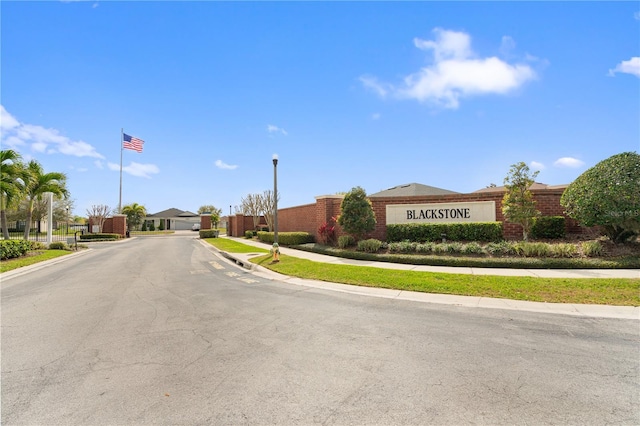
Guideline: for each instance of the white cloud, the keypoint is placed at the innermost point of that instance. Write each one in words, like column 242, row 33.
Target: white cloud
column 136, row 169
column 456, row 72
column 632, row 66
column 99, row 164
column 221, row 165
column 373, row 84
column 39, row 139
column 568, row 162
column 275, row 129
column 537, row 166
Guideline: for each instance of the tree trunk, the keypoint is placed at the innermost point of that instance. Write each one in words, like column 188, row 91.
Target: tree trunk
column 27, row 225
column 3, row 223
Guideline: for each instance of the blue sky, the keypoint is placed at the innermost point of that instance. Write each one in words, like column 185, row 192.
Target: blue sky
column 370, row 94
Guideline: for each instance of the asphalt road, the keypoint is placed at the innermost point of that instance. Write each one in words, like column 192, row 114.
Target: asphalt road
column 160, row 330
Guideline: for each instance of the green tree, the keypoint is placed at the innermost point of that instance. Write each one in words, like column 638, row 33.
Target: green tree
column 608, row 195
column 215, row 213
column 12, row 175
column 518, row 205
column 37, row 183
column 356, row 213
column 135, row 215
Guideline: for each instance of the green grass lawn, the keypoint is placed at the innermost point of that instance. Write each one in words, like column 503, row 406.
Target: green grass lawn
column 31, row 259
column 232, row 246
column 620, row 292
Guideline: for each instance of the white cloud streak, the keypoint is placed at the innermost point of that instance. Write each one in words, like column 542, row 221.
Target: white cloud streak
column 275, row 129
column 570, row 162
column 17, row 135
column 136, row 169
column 455, row 73
column 221, row 165
column 632, row 66
column 537, row 166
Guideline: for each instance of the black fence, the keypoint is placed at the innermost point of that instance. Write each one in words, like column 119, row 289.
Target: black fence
column 38, row 231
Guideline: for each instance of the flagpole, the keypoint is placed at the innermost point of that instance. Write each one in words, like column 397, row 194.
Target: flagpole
column 121, row 150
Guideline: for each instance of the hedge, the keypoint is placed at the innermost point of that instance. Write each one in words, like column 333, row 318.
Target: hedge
column 286, row 238
column 10, row 249
column 424, row 232
column 209, row 233
column 548, row 227
column 101, row 237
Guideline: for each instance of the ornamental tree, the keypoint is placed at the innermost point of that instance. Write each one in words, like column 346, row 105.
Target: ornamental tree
column 356, row 213
column 135, row 214
column 608, row 195
column 518, row 205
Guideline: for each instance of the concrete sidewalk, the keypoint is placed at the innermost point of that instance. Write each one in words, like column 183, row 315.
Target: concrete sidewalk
column 592, row 311
column 541, row 273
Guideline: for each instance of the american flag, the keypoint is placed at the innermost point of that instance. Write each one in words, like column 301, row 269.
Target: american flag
column 131, row 142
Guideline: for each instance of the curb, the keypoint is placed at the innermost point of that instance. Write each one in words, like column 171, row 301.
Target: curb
column 26, row 269
column 571, row 309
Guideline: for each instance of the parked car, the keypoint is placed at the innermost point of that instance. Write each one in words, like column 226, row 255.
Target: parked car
column 195, row 227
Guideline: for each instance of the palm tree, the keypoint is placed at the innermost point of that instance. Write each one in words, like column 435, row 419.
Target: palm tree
column 11, row 185
column 135, row 214
column 38, row 182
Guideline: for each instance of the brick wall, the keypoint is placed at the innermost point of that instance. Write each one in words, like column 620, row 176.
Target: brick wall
column 309, row 217
column 112, row 225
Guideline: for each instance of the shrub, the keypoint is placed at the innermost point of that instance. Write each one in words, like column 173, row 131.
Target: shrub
column 423, row 232
column 249, row 234
column 57, row 245
column 356, row 213
column 527, row 249
column 426, row 248
column 345, row 241
column 98, row 236
column 369, row 246
column 503, row 248
column 591, row 248
column 327, row 233
column 286, row 238
column 548, row 227
column 152, row 226
column 607, row 195
column 563, row 250
column 10, row 249
column 209, row 233
column 402, row 247
column 161, row 226
column 472, row 248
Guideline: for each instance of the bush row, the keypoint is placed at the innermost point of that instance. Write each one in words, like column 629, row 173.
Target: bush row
column 10, row 249
column 502, row 248
column 286, row 238
column 100, row 237
column 423, row 232
column 629, row 262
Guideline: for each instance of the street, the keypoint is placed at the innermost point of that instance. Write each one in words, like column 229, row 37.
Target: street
column 160, row 330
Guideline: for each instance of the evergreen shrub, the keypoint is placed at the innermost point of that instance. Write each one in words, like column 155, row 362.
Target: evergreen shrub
column 10, row 249
column 423, row 232
column 345, row 241
column 548, row 227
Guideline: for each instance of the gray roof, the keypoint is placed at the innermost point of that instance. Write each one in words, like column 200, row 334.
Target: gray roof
column 173, row 212
column 534, row 186
column 412, row 189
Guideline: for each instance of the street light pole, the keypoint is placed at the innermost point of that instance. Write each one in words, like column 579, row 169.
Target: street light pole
column 275, row 198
